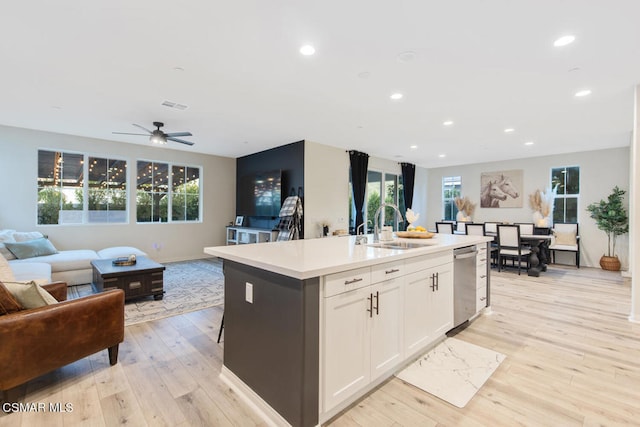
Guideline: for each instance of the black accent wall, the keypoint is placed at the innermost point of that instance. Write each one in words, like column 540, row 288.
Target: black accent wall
column 287, row 158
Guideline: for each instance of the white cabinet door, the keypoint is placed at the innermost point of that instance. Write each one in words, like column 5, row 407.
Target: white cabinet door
column 441, row 306
column 386, row 326
column 417, row 297
column 347, row 345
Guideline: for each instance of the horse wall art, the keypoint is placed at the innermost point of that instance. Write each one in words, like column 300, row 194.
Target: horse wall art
column 501, row 189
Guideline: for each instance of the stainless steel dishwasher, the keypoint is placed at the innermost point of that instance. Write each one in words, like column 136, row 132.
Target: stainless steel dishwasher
column 464, row 284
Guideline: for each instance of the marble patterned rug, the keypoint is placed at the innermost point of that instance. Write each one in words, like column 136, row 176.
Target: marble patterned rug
column 188, row 286
column 453, row 371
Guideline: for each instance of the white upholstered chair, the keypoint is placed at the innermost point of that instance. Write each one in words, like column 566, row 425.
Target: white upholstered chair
column 444, row 227
column 525, row 228
column 509, row 246
column 565, row 238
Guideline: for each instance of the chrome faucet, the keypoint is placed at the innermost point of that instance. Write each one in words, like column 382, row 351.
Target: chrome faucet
column 376, row 230
column 360, row 238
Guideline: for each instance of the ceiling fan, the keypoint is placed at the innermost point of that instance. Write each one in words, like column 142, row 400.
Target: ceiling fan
column 159, row 137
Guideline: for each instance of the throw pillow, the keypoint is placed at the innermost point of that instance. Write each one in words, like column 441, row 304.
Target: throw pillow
column 30, row 295
column 6, row 273
column 8, row 303
column 23, row 236
column 6, row 236
column 32, row 248
column 565, row 238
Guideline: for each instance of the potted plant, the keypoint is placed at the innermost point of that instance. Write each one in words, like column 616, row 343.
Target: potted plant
column 611, row 217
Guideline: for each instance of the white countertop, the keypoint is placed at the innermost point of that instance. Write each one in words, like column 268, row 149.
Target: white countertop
column 307, row 258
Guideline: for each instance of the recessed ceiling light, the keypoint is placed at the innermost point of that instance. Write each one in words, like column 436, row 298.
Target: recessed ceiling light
column 528, row 143
column 307, row 50
column 413, row 147
column 509, row 130
column 584, row 92
column 406, row 56
column 396, row 96
column 448, row 122
column 442, row 156
column 564, row 40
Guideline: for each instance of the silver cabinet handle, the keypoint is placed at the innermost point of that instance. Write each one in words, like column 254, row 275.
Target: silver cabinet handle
column 349, row 282
column 377, row 301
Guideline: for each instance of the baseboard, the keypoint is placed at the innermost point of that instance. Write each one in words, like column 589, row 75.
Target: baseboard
column 269, row 415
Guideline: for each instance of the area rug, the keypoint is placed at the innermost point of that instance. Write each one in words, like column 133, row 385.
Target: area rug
column 453, row 371
column 188, row 286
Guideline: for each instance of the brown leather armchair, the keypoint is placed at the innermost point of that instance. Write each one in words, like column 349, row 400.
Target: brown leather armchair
column 42, row 339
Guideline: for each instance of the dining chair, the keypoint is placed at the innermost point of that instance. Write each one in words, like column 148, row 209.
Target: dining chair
column 474, row 229
column 525, row 227
column 444, row 227
column 491, row 227
column 509, row 246
column 565, row 238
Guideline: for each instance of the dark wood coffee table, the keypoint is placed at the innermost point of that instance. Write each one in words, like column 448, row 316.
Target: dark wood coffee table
column 142, row 279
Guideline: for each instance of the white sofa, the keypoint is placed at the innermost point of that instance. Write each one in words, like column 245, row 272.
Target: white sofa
column 70, row 266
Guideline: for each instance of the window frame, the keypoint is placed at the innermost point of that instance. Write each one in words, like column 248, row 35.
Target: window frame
column 85, row 216
column 383, row 179
column 454, row 211
column 169, row 192
column 564, row 196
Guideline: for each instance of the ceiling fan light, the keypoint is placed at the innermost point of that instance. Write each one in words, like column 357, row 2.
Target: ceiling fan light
column 157, row 139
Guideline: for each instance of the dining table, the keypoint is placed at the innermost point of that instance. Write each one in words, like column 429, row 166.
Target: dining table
column 539, row 244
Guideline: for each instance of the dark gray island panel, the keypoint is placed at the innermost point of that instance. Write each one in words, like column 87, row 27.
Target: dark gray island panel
column 272, row 344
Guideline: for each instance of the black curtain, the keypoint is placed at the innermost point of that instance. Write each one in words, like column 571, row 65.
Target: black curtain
column 408, row 179
column 359, row 166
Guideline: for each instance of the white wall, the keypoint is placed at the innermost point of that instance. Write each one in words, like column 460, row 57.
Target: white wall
column 326, row 181
column 163, row 242
column 420, row 199
column 600, row 171
column 326, row 178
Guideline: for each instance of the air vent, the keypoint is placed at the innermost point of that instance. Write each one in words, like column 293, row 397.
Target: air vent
column 175, row 105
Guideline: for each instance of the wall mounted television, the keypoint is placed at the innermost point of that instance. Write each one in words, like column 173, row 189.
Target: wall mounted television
column 260, row 194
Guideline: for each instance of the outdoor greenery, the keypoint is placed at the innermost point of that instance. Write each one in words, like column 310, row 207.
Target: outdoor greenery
column 611, row 217
column 50, row 201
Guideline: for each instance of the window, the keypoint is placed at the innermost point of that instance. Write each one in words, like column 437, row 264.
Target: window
column 64, row 197
column 162, row 196
column 566, row 202
column 451, row 188
column 378, row 183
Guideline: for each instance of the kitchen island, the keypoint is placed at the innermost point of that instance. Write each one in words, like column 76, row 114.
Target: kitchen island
column 312, row 325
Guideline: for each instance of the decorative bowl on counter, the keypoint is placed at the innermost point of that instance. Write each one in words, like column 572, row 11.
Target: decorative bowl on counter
column 415, row 234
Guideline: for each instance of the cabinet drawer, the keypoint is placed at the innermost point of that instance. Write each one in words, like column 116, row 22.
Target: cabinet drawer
column 338, row 283
column 481, row 258
column 427, row 261
column 481, row 298
column 387, row 271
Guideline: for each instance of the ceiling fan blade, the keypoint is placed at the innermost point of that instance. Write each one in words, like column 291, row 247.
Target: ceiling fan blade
column 127, row 133
column 181, row 141
column 178, row 134
column 143, row 128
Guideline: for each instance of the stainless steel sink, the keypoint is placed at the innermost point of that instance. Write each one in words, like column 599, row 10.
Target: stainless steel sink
column 399, row 245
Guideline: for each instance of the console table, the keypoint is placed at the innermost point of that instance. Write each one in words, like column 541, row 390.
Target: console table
column 243, row 235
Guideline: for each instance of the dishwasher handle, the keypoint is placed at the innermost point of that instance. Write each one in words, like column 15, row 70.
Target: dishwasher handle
column 465, row 255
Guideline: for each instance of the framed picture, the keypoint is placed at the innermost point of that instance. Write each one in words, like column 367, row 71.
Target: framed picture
column 239, row 220
column 502, row 189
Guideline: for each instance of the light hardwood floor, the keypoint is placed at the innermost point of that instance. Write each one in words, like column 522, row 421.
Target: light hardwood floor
column 573, row 359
